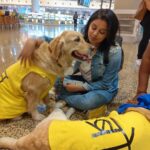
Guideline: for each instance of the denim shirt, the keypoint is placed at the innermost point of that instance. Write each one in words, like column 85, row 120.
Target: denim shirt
column 104, row 77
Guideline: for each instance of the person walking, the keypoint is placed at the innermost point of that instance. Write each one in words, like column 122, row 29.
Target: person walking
column 75, row 19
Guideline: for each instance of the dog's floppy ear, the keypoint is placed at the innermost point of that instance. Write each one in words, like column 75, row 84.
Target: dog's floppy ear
column 141, row 110
column 56, row 47
column 59, row 48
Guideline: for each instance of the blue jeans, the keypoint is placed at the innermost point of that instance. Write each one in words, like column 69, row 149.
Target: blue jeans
column 83, row 100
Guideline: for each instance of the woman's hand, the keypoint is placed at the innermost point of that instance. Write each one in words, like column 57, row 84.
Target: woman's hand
column 134, row 99
column 74, row 88
column 131, row 101
column 138, row 94
column 26, row 54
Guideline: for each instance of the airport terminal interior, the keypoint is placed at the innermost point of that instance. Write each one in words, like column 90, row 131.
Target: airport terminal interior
column 36, row 18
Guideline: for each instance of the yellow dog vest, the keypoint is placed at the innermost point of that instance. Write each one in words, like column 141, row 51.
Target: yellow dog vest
column 12, row 102
column 129, row 131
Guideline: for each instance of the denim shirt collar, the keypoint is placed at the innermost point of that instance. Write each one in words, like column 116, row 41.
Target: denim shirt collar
column 97, row 66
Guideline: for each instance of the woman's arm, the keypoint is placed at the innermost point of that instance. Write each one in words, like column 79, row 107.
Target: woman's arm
column 144, row 72
column 147, row 2
column 74, row 88
column 141, row 10
column 111, row 73
column 28, row 49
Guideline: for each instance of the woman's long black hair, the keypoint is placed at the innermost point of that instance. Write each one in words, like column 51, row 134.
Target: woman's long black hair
column 113, row 26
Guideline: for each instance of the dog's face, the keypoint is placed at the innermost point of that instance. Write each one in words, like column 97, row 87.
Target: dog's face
column 68, row 46
column 59, row 54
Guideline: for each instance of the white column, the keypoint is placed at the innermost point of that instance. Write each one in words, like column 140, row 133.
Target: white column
column 35, row 5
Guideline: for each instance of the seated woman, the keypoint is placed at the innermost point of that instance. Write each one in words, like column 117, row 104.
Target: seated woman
column 97, row 83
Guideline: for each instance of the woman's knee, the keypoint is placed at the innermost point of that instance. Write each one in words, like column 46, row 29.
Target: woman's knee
column 95, row 102
column 84, row 102
column 76, row 101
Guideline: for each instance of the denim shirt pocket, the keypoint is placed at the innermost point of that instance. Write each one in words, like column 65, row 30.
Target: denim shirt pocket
column 98, row 68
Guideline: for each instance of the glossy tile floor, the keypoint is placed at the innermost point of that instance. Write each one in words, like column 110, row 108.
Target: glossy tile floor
column 12, row 41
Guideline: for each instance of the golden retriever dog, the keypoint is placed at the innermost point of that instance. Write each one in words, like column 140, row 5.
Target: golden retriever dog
column 22, row 87
column 130, row 130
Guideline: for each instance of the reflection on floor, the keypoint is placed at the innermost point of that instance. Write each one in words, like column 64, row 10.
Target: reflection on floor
column 11, row 41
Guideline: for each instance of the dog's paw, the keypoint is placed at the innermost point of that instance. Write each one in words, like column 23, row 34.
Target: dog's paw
column 60, row 104
column 70, row 112
column 38, row 117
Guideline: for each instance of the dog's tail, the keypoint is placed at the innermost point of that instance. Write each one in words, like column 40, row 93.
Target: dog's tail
column 7, row 142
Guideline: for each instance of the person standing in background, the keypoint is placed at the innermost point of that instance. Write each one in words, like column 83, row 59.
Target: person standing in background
column 144, row 73
column 75, row 19
column 143, row 14
column 143, row 76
